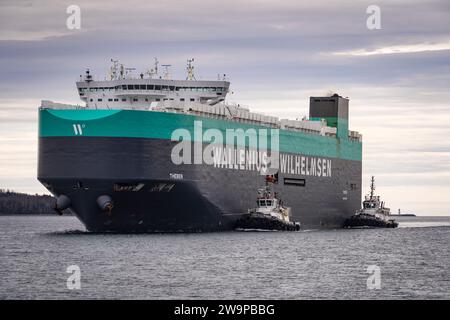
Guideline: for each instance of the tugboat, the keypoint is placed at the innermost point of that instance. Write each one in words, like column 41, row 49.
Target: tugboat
column 373, row 214
column 269, row 214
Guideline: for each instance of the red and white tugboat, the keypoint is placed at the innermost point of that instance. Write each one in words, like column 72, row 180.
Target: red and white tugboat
column 373, row 214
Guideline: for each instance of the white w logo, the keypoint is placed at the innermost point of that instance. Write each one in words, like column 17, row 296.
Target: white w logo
column 77, row 129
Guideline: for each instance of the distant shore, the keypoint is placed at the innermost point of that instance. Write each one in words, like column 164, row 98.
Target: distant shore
column 15, row 203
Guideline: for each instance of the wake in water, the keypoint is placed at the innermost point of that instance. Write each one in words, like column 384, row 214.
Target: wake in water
column 71, row 232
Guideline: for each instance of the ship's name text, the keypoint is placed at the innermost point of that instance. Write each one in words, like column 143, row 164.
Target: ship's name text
column 252, row 160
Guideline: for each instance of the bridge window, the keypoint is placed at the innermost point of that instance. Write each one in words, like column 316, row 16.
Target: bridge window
column 135, row 99
column 142, row 86
column 124, row 99
column 157, row 87
column 192, row 99
column 136, row 87
column 99, row 100
column 182, row 99
column 130, row 87
column 116, row 99
column 150, row 87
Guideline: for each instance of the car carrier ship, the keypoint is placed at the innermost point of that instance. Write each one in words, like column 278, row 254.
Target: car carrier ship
column 121, row 161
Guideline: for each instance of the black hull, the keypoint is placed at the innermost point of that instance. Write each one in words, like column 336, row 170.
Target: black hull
column 262, row 222
column 369, row 222
column 206, row 199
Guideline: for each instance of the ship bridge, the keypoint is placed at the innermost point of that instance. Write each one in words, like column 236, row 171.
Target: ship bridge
column 123, row 91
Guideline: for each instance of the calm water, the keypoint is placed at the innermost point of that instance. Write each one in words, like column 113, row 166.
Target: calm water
column 35, row 252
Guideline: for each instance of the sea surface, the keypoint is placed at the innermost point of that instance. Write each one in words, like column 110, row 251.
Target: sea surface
column 413, row 262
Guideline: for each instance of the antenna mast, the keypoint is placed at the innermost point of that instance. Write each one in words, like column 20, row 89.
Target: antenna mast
column 372, row 187
column 153, row 71
column 114, row 69
column 156, row 66
column 190, row 70
column 166, row 71
column 122, row 71
column 88, row 76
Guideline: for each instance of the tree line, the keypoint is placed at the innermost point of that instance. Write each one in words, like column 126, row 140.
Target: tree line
column 21, row 203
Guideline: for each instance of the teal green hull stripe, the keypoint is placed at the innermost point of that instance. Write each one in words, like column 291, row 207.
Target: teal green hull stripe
column 160, row 125
column 82, row 114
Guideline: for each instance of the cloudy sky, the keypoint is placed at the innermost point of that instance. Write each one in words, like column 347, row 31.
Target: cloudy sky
column 276, row 54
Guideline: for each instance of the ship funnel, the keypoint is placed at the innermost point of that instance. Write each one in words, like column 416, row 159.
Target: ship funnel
column 105, row 203
column 334, row 110
column 62, row 202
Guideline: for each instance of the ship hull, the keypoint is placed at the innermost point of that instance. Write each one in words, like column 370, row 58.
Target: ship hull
column 152, row 194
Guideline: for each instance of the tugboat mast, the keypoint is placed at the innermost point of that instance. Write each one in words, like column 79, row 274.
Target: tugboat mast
column 372, row 187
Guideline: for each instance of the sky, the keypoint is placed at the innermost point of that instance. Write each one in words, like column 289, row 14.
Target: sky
column 276, row 54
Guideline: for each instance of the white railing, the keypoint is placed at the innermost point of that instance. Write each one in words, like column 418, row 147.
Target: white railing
column 47, row 104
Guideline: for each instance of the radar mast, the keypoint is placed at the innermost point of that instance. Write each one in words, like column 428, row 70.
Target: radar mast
column 372, row 187
column 153, row 71
column 114, row 69
column 190, row 70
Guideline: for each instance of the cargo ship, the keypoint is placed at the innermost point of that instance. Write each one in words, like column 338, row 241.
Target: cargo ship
column 147, row 153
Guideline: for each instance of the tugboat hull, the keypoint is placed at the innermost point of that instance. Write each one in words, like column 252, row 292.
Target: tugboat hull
column 263, row 222
column 365, row 221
